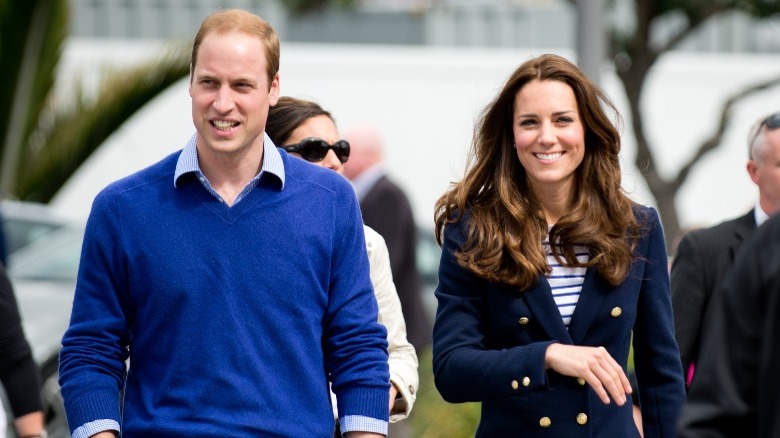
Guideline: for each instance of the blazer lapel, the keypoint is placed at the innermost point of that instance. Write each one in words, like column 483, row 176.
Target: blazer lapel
column 745, row 226
column 542, row 305
column 588, row 305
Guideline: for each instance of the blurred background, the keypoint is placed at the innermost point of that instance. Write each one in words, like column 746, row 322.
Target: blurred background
column 92, row 90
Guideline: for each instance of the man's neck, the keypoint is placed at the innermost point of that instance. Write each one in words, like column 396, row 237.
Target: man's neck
column 228, row 174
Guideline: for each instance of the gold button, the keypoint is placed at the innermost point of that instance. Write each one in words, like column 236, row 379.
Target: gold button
column 581, row 381
column 582, row 418
column 545, row 422
column 515, row 385
column 526, row 381
column 411, row 389
column 616, row 311
column 523, row 320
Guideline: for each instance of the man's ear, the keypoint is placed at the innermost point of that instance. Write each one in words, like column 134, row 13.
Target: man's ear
column 190, row 87
column 273, row 90
column 752, row 169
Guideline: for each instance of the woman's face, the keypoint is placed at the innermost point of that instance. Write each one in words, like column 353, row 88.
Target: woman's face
column 319, row 127
column 549, row 136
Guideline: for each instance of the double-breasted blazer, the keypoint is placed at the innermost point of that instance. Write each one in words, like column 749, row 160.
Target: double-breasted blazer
column 703, row 259
column 489, row 345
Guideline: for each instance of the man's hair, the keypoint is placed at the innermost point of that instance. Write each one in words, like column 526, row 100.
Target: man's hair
column 287, row 115
column 237, row 20
column 756, row 145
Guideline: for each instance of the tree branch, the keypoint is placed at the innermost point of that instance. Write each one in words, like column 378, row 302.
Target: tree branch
column 725, row 116
column 693, row 23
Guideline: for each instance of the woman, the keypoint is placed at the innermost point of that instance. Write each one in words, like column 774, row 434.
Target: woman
column 304, row 129
column 18, row 371
column 548, row 268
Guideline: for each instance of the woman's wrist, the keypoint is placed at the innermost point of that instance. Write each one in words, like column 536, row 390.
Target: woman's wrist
column 30, row 425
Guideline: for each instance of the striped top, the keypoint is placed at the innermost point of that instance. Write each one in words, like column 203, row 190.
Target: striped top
column 566, row 281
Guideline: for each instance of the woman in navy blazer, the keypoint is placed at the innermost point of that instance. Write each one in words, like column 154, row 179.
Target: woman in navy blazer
column 548, row 269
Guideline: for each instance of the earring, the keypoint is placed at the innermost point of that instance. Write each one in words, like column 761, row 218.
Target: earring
column 514, row 146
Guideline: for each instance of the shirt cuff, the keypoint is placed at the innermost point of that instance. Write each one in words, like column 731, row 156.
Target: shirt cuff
column 86, row 430
column 359, row 423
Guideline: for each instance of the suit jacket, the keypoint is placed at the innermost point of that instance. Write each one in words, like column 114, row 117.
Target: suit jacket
column 489, row 345
column 387, row 210
column 703, row 259
column 736, row 386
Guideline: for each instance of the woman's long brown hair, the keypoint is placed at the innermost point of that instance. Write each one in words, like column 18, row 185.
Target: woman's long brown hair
column 507, row 225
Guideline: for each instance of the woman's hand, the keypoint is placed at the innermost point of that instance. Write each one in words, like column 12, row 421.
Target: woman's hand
column 595, row 365
column 393, row 395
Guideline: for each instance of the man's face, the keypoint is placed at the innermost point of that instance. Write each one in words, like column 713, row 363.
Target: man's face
column 764, row 170
column 230, row 95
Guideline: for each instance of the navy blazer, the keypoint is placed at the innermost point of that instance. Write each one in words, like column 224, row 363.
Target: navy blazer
column 489, row 344
column 703, row 259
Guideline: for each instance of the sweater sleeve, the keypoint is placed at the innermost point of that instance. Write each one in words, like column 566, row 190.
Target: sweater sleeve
column 403, row 358
column 18, row 371
column 94, row 348
column 355, row 343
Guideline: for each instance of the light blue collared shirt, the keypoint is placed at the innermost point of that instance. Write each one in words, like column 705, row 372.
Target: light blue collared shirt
column 364, row 182
column 759, row 214
column 188, row 163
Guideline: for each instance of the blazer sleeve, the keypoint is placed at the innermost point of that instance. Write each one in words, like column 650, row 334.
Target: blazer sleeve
column 656, row 357
column 18, row 371
column 402, row 356
column 688, row 297
column 465, row 367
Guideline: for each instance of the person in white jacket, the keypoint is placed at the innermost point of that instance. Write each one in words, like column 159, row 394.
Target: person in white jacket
column 304, row 129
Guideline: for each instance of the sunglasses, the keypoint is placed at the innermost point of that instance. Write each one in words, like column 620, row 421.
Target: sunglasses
column 771, row 122
column 314, row 149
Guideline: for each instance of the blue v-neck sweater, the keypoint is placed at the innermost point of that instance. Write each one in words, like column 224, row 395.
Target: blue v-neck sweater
column 232, row 317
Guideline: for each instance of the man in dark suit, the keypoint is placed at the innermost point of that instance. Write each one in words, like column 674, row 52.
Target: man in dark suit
column 705, row 256
column 736, row 386
column 387, row 210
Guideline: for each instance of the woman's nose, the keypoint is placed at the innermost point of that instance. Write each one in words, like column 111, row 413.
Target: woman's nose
column 546, row 134
column 331, row 161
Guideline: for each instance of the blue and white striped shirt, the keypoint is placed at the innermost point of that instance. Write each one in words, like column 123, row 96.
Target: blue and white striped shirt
column 566, row 281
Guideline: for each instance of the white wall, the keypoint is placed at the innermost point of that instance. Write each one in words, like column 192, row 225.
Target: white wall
column 425, row 100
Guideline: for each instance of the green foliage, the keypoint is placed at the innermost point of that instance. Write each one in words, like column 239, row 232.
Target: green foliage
column 432, row 417
column 31, row 40
column 74, row 131
column 43, row 141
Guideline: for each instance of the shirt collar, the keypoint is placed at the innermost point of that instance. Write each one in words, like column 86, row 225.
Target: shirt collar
column 760, row 215
column 364, row 182
column 188, row 161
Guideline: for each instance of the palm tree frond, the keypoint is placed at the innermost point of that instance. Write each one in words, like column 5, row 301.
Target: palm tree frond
column 73, row 132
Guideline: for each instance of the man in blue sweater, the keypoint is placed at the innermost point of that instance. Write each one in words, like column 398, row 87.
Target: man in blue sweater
column 233, row 277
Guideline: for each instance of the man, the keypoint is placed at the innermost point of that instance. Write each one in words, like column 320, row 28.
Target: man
column 387, row 210
column 232, row 276
column 705, row 256
column 736, row 386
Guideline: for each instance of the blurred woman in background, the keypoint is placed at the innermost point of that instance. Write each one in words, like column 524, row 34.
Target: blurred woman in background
column 305, row 130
